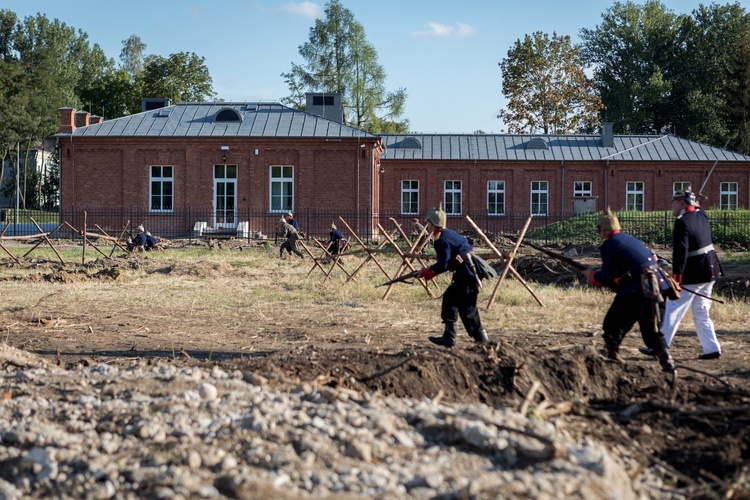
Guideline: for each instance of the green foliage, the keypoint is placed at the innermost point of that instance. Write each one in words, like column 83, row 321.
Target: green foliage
column 181, row 77
column 728, row 227
column 546, row 87
column 339, row 59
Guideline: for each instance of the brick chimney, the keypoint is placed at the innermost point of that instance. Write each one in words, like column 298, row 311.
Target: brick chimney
column 67, row 122
column 95, row 119
column 82, row 118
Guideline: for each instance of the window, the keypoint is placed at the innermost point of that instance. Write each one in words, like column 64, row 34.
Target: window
column 728, row 195
column 282, row 188
column 582, row 188
column 409, row 197
column 162, row 188
column 680, row 186
column 496, row 197
column 452, row 197
column 539, row 197
column 634, row 193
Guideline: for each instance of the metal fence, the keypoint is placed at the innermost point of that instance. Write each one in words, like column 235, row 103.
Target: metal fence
column 729, row 227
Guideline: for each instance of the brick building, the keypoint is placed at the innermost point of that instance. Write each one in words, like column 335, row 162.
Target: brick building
column 229, row 164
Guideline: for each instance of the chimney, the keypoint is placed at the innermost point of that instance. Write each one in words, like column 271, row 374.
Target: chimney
column 95, row 119
column 67, row 123
column 326, row 105
column 82, row 118
column 608, row 136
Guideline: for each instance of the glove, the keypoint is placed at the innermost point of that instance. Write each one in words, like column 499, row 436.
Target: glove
column 426, row 273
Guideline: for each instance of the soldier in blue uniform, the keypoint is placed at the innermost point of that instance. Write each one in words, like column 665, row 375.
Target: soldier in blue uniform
column 454, row 253
column 336, row 240
column 695, row 267
column 632, row 270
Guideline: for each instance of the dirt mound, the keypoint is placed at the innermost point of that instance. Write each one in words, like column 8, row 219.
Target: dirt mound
column 195, row 269
column 680, row 423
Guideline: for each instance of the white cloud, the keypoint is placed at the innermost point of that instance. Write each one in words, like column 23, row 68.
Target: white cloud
column 438, row 30
column 310, row 10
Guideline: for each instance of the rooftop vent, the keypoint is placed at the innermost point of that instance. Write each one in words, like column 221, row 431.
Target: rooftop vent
column 326, row 105
column 152, row 103
column 537, row 143
column 227, row 115
column 409, row 143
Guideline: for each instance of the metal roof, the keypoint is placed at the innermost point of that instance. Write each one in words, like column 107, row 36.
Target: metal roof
column 572, row 147
column 257, row 119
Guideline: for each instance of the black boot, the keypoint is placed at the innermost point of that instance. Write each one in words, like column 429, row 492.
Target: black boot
column 449, row 336
column 666, row 361
column 481, row 337
column 611, row 351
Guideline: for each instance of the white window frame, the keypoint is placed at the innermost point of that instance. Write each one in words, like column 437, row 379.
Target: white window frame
column 452, row 197
column 281, row 188
column 582, row 188
column 496, row 197
column 409, row 196
column 539, row 199
column 728, row 195
column 163, row 181
column 680, row 186
column 635, row 194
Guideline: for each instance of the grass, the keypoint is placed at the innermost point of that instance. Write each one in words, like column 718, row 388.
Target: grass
column 249, row 300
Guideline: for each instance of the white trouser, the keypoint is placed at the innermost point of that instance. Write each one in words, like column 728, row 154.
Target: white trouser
column 675, row 310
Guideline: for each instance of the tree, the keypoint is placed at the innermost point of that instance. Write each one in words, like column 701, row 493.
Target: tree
column 132, row 56
column 182, row 77
column 738, row 92
column 546, row 87
column 634, row 52
column 712, row 67
column 339, row 59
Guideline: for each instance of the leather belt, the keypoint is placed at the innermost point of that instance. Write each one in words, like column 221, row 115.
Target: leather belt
column 701, row 251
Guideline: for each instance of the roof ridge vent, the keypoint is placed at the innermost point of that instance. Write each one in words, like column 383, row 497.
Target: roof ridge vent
column 537, row 143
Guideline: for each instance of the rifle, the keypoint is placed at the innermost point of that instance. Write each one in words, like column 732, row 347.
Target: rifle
column 403, row 278
column 705, row 181
column 557, row 256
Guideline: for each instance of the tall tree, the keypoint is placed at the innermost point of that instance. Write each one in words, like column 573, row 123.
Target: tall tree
column 546, row 87
column 712, row 41
column 181, row 77
column 339, row 59
column 634, row 51
column 132, row 56
column 738, row 92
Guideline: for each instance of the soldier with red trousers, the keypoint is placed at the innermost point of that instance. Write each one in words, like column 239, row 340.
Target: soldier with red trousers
column 454, row 253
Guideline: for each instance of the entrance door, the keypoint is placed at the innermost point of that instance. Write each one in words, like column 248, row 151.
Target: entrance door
column 225, row 195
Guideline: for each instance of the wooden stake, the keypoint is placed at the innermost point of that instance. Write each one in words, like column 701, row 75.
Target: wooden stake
column 500, row 255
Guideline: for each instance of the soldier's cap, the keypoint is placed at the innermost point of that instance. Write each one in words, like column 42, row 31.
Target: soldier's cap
column 687, row 196
column 283, row 220
column 415, row 219
column 608, row 221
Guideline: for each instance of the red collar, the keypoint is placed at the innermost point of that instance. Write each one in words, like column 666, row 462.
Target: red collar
column 690, row 208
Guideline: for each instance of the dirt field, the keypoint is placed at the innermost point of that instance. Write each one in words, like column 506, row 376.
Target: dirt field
column 276, row 321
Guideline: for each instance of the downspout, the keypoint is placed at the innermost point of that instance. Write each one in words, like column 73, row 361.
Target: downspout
column 606, row 185
column 562, row 180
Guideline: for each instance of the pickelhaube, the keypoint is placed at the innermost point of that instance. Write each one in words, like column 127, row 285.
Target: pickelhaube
column 437, row 216
column 608, row 221
column 687, row 196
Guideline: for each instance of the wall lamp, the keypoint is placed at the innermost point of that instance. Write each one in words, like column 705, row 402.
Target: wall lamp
column 224, row 150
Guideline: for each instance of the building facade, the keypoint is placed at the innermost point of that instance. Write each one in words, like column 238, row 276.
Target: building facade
column 224, row 164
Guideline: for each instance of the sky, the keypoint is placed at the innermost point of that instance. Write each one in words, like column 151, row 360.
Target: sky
column 444, row 53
